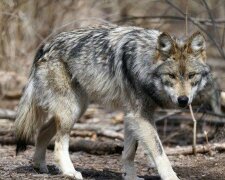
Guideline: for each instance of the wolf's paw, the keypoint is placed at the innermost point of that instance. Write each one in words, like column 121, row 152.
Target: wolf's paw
column 41, row 167
column 131, row 177
column 74, row 175
column 138, row 178
column 172, row 178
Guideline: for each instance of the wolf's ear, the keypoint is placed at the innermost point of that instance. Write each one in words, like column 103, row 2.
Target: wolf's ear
column 165, row 44
column 196, row 43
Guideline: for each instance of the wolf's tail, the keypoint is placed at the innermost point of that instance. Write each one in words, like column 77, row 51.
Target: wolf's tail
column 28, row 117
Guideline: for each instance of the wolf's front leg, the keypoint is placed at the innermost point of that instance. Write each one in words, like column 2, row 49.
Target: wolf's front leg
column 148, row 137
column 130, row 146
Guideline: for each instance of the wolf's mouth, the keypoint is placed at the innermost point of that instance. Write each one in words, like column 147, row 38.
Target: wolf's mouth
column 183, row 106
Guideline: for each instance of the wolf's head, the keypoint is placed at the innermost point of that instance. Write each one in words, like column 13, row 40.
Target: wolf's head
column 181, row 70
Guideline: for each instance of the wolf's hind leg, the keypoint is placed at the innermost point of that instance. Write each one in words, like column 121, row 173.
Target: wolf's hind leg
column 45, row 134
column 130, row 147
column 66, row 100
column 64, row 124
column 67, row 110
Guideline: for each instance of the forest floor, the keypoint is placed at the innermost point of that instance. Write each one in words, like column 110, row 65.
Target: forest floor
column 109, row 166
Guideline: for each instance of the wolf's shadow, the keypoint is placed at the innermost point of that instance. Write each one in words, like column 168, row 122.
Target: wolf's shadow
column 87, row 173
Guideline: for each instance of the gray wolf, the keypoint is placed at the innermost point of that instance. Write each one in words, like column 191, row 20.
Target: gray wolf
column 127, row 68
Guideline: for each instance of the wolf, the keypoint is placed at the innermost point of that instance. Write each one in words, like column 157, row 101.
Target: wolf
column 129, row 68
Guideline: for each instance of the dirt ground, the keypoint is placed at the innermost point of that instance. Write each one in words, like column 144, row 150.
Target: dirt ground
column 108, row 167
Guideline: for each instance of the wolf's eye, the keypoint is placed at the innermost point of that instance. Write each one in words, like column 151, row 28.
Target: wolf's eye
column 190, row 76
column 172, row 76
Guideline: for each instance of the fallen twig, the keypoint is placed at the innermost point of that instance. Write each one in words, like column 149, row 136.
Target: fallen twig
column 202, row 149
column 170, row 114
column 102, row 130
column 12, row 95
column 82, row 133
column 94, row 127
column 111, row 134
column 184, row 115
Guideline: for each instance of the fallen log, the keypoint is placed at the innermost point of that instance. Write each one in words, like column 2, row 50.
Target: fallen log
column 100, row 148
column 200, row 149
column 106, row 131
column 7, row 114
column 96, row 147
column 88, row 146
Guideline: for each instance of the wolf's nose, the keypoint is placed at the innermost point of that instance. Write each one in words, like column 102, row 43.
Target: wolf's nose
column 183, row 101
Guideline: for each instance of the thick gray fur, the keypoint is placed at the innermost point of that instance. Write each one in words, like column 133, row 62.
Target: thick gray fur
column 113, row 66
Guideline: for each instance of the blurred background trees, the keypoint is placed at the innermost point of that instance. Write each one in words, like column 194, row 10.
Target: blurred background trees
column 25, row 24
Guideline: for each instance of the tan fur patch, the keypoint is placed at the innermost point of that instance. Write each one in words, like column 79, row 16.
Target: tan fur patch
column 204, row 56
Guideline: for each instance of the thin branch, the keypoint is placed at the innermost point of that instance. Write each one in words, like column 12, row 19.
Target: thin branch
column 207, row 119
column 223, row 37
column 170, row 114
column 222, row 116
column 177, row 18
column 194, row 130
column 95, row 127
column 216, row 33
column 186, row 20
column 106, row 131
column 196, row 23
